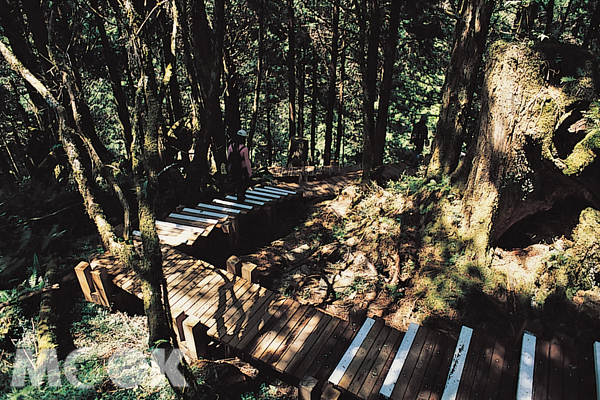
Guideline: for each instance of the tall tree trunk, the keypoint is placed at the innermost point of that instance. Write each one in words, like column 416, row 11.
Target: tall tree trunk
column 460, row 84
column 291, row 62
column 592, row 31
column 232, row 97
column 340, row 110
column 301, row 90
column 527, row 159
column 313, row 112
column 385, row 91
column 259, row 73
column 549, row 17
column 332, row 80
column 369, row 85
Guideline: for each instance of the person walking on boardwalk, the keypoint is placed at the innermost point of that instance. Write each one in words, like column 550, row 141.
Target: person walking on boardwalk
column 419, row 134
column 238, row 164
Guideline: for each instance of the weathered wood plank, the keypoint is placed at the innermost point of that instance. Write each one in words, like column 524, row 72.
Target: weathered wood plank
column 371, row 385
column 556, row 373
column 255, row 325
column 540, row 373
column 409, row 364
column 443, row 371
column 510, row 370
column 342, row 366
column 332, row 357
column 256, row 311
column 250, row 291
column 279, row 332
column 495, row 373
column 399, row 360
column 571, row 376
column 475, row 353
column 433, row 368
column 246, row 306
column 249, row 342
column 321, row 347
column 307, row 322
column 526, row 366
column 302, row 348
column 482, row 369
column 418, row 374
column 366, row 368
column 458, row 362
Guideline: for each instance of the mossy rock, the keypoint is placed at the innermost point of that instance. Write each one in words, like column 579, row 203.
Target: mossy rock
column 585, row 234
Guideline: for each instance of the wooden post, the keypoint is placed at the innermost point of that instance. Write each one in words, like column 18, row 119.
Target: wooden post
column 102, row 285
column 178, row 316
column 330, row 393
column 234, row 266
column 82, row 270
column 250, row 272
column 307, row 388
column 195, row 337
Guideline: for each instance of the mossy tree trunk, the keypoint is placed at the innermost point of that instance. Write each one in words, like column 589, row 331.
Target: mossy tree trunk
column 529, row 153
column 461, row 79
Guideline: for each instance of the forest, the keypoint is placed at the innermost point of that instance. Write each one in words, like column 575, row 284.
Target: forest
column 113, row 113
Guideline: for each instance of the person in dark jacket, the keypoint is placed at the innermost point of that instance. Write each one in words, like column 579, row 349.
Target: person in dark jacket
column 419, row 134
column 239, row 166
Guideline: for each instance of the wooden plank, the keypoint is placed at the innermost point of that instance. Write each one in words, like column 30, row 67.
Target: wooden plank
column 443, row 370
column 525, row 382
column 328, row 359
column 341, row 367
column 222, row 295
column 365, row 369
column 219, row 209
column 392, row 376
column 209, row 297
column 183, row 278
column 246, row 292
column 510, row 371
column 227, row 298
column 371, row 385
column 588, row 385
column 293, row 357
column 433, row 368
column 307, row 323
column 571, row 376
column 258, row 321
column 262, row 326
column 258, row 309
column 409, row 364
column 418, row 373
column 279, row 332
column 556, row 373
column 279, row 189
column 233, row 204
column 204, row 214
column 247, row 200
column 472, row 362
column 458, row 362
column 189, row 295
column 327, row 340
column 236, row 313
column 540, row 372
column 263, row 194
column 493, row 381
column 190, row 218
column 172, row 225
column 482, row 370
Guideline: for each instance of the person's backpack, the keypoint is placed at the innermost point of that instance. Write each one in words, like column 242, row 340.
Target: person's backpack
column 234, row 161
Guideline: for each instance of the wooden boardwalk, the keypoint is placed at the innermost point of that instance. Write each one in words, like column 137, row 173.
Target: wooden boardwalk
column 361, row 359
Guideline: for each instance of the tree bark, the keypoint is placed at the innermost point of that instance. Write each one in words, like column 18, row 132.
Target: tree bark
column 313, row 111
column 332, row 83
column 526, row 158
column 340, row 110
column 460, row 84
column 291, row 62
column 369, row 85
column 386, row 84
column 259, row 73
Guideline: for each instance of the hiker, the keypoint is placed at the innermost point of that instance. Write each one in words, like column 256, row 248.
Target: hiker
column 419, row 134
column 238, row 164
